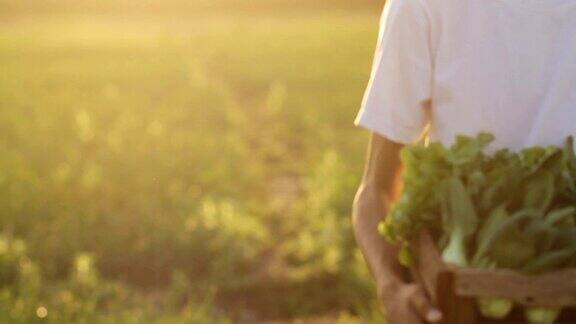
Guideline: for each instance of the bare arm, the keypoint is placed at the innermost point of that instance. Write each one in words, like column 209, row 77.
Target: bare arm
column 404, row 302
column 373, row 199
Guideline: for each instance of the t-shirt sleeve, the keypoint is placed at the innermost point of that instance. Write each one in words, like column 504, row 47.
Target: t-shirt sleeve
column 398, row 94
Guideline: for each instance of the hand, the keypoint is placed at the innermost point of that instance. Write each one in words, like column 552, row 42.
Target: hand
column 408, row 304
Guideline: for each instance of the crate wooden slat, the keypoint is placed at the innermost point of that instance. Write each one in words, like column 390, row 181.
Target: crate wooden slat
column 556, row 288
column 455, row 289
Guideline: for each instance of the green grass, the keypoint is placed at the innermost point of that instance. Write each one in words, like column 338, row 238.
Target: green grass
column 218, row 147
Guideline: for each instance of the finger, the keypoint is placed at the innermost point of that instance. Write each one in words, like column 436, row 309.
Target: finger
column 423, row 306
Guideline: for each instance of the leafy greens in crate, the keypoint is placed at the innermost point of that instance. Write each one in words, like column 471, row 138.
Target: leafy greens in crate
column 512, row 210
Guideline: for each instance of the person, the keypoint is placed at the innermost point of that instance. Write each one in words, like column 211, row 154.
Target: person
column 457, row 67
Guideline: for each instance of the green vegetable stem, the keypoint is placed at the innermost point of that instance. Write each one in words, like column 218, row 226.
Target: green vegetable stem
column 459, row 222
column 541, row 315
column 495, row 307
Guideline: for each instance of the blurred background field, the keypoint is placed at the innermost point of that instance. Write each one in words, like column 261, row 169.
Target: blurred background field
column 182, row 161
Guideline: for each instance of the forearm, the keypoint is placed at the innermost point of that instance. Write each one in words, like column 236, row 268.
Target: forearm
column 370, row 206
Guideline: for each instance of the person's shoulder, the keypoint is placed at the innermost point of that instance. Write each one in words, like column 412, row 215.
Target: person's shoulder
column 406, row 3
column 443, row 5
column 437, row 10
column 429, row 6
column 405, row 6
column 429, row 13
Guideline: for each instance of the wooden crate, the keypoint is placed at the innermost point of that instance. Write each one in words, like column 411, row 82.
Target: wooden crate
column 455, row 289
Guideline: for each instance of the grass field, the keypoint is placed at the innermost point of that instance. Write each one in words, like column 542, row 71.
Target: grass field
column 192, row 167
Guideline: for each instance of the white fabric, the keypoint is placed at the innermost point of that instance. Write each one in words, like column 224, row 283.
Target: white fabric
column 465, row 66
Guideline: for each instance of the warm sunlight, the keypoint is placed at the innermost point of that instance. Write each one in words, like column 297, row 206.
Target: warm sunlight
column 287, row 161
column 182, row 161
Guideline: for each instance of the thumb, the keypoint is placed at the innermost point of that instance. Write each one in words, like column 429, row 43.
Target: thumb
column 421, row 303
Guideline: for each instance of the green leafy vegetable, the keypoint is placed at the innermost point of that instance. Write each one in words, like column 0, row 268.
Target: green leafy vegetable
column 495, row 307
column 459, row 221
column 541, row 315
column 514, row 210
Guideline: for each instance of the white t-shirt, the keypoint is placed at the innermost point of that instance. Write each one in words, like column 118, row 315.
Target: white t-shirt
column 464, row 66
